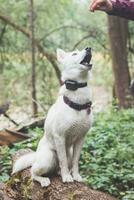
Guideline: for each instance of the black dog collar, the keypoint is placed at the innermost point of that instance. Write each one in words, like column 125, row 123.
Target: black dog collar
column 77, row 106
column 73, row 85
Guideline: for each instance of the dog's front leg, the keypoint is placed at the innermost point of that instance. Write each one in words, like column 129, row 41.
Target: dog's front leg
column 62, row 157
column 76, row 155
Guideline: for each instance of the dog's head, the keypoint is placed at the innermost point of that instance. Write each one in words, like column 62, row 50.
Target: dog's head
column 75, row 64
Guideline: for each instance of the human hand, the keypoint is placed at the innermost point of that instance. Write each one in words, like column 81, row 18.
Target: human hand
column 103, row 5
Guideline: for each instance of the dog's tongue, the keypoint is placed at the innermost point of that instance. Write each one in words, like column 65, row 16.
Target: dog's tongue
column 88, row 65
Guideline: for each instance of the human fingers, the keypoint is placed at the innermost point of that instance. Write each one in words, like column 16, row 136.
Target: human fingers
column 96, row 5
column 91, row 5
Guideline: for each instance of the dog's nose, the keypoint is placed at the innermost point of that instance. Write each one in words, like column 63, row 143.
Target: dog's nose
column 88, row 49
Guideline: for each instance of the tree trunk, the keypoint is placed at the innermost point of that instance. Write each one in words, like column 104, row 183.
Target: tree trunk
column 118, row 32
column 20, row 187
column 33, row 74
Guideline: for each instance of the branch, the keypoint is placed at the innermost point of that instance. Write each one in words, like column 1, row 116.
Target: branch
column 81, row 40
column 58, row 29
column 94, row 36
column 15, row 26
column 2, row 33
column 51, row 57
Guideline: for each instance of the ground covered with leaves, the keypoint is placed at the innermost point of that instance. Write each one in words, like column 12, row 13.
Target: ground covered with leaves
column 107, row 159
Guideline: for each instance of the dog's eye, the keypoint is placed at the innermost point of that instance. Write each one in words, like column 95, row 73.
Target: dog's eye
column 74, row 54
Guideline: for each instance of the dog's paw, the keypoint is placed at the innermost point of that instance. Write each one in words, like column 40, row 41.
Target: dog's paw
column 45, row 182
column 67, row 178
column 77, row 177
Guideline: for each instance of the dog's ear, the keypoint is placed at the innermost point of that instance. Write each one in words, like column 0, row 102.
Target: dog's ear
column 60, row 55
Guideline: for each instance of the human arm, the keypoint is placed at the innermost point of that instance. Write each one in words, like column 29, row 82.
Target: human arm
column 122, row 8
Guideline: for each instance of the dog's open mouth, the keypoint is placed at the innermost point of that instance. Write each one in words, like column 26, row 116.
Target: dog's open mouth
column 86, row 60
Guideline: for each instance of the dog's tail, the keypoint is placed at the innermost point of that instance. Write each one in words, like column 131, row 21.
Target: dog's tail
column 23, row 162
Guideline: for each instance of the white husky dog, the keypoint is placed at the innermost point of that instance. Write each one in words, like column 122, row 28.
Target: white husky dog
column 67, row 122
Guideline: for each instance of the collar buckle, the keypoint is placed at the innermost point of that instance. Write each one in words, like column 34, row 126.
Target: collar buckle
column 71, row 85
column 74, row 85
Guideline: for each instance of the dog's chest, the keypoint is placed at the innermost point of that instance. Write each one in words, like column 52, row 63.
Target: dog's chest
column 78, row 126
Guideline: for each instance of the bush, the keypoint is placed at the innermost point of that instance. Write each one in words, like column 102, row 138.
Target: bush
column 107, row 158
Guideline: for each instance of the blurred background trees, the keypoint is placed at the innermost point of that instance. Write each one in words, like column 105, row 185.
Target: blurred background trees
column 60, row 24
column 30, row 33
column 118, row 36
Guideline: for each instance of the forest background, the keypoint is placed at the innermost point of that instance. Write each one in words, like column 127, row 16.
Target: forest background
column 30, row 33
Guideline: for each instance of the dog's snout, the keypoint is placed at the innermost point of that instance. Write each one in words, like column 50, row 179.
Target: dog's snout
column 88, row 49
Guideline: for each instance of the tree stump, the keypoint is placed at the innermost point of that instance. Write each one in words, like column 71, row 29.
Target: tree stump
column 21, row 187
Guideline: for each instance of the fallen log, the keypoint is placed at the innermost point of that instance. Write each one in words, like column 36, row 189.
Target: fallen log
column 39, row 122
column 21, row 187
column 8, row 137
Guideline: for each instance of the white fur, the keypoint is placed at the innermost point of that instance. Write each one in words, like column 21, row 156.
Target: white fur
column 65, row 128
column 24, row 162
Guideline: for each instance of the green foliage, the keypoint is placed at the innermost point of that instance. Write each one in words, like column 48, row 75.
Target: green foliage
column 31, row 143
column 5, row 163
column 6, row 152
column 58, row 24
column 107, row 159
